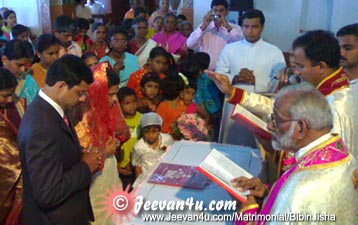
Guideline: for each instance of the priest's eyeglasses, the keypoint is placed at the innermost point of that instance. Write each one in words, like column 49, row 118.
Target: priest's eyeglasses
column 278, row 121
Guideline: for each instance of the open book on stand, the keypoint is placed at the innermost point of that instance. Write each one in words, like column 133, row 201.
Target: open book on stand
column 253, row 123
column 178, row 175
column 222, row 170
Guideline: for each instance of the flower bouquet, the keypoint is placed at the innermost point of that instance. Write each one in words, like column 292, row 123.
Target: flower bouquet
column 190, row 127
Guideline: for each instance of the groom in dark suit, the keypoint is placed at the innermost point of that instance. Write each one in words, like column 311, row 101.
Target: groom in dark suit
column 56, row 176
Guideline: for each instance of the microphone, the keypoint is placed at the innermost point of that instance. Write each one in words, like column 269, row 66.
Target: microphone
column 294, row 79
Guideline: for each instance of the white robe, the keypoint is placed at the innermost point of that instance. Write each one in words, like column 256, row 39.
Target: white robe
column 266, row 60
column 318, row 190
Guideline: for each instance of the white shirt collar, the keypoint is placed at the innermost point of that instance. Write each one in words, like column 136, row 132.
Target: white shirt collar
column 250, row 43
column 302, row 151
column 54, row 104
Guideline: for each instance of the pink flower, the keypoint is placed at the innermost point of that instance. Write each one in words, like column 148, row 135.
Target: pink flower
column 191, row 127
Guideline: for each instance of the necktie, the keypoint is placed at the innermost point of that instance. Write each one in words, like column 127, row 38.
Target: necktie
column 66, row 120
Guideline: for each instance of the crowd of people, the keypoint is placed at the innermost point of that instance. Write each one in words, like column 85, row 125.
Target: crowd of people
column 91, row 107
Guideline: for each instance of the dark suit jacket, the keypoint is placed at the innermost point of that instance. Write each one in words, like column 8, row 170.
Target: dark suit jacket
column 56, row 183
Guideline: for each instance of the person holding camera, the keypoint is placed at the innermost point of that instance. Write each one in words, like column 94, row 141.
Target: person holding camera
column 214, row 32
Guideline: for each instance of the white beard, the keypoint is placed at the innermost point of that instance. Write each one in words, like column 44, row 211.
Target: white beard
column 285, row 142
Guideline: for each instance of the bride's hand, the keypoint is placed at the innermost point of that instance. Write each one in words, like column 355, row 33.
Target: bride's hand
column 111, row 146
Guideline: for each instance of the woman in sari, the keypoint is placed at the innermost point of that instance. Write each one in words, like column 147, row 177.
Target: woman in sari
column 170, row 39
column 162, row 11
column 47, row 48
column 140, row 45
column 16, row 58
column 103, row 126
column 130, row 13
column 10, row 168
column 98, row 44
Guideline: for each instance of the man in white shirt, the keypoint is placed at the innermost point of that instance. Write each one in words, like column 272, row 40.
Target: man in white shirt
column 214, row 32
column 83, row 11
column 97, row 11
column 251, row 64
column 64, row 27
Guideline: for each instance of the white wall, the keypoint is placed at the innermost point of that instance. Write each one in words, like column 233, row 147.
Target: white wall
column 344, row 12
column 201, row 7
column 284, row 18
column 284, row 21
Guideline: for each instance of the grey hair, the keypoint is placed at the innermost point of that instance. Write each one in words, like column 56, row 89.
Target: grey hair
column 309, row 104
column 185, row 22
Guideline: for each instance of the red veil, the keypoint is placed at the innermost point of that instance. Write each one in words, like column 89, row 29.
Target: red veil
column 103, row 121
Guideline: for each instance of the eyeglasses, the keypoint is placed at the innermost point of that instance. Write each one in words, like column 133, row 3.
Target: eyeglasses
column 120, row 41
column 275, row 122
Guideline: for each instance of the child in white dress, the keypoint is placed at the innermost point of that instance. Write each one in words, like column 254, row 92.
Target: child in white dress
column 147, row 151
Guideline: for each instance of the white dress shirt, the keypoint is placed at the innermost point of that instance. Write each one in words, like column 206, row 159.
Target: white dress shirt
column 54, row 104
